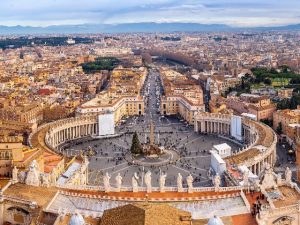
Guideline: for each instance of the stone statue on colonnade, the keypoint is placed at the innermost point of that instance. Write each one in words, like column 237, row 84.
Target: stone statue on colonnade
column 179, row 183
column 162, row 181
column 45, row 180
column 33, row 175
column 134, row 180
column 148, row 181
column 189, row 181
column 119, row 182
column 53, row 178
column 288, row 175
column 217, row 182
column 106, row 179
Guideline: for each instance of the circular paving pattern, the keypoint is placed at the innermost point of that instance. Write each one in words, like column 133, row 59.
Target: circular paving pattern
column 170, row 156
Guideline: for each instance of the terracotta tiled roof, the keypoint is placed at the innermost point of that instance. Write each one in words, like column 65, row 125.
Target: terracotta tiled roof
column 145, row 214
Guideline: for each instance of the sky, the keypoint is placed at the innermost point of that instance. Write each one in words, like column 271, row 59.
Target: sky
column 237, row 13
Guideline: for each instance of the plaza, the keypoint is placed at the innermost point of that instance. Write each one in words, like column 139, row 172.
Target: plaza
column 190, row 150
column 194, row 152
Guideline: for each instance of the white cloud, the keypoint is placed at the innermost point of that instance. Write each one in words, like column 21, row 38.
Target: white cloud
column 231, row 12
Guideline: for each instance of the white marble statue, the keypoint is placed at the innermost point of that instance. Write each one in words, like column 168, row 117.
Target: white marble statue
column 82, row 178
column 179, row 183
column 162, row 181
column 217, row 182
column 246, row 179
column 269, row 178
column 45, row 180
column 118, row 182
column 86, row 160
column 53, row 178
column 134, row 181
column 33, row 175
column 279, row 179
column 106, row 179
column 288, row 175
column 148, row 181
column 15, row 172
column 189, row 181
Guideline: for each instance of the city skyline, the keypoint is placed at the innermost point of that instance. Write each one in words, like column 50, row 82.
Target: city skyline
column 232, row 13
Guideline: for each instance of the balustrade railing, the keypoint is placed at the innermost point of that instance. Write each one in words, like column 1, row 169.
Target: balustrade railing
column 144, row 189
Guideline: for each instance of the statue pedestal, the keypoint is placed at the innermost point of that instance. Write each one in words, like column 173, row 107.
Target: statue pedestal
column 190, row 190
column 149, row 190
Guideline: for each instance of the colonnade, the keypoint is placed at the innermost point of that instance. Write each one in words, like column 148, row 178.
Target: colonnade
column 214, row 126
column 214, row 123
column 70, row 129
column 259, row 166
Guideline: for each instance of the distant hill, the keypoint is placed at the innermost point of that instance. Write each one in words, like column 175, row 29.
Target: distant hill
column 133, row 27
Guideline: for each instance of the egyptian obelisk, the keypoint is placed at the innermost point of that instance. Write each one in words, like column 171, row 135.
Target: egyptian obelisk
column 151, row 133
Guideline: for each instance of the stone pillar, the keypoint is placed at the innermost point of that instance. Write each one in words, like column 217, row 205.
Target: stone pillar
column 151, row 137
column 196, row 126
column 55, row 139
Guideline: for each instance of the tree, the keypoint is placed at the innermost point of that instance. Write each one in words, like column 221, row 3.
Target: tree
column 279, row 128
column 268, row 122
column 135, row 145
column 267, row 81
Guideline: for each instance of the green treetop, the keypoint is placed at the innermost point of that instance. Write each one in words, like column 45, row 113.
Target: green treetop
column 135, row 145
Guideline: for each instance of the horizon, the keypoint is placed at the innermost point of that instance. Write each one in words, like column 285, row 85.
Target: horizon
column 237, row 14
column 157, row 23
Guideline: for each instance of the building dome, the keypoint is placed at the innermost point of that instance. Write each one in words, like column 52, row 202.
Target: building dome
column 76, row 219
column 215, row 221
